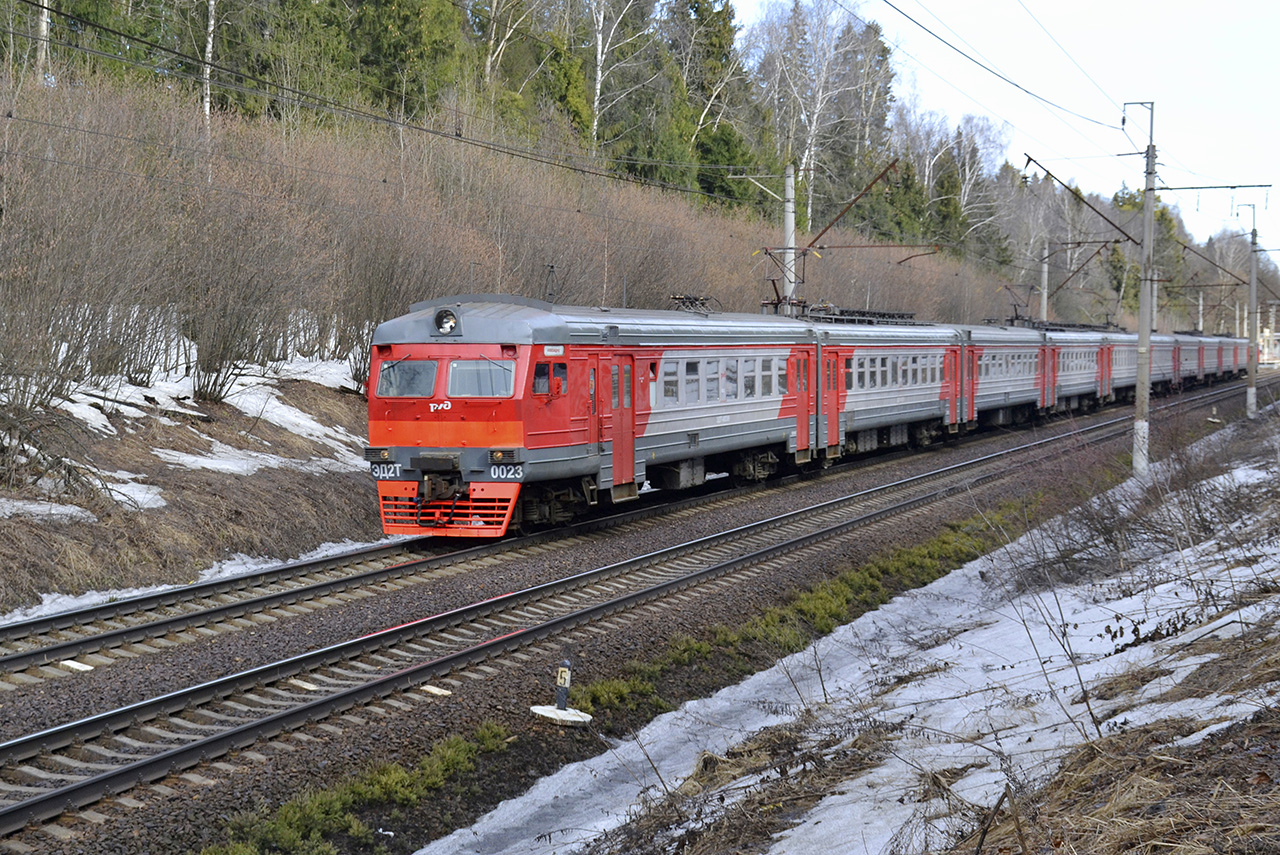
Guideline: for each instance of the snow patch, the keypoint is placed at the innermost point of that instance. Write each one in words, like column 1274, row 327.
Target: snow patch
column 236, row 461
column 262, row 401
column 44, row 511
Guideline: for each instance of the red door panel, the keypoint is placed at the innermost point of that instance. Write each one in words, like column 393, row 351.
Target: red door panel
column 622, row 405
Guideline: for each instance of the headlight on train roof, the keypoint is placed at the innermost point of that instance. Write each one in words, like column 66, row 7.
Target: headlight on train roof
column 446, row 321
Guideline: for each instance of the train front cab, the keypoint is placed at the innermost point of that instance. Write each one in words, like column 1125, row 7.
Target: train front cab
column 501, row 433
column 446, row 437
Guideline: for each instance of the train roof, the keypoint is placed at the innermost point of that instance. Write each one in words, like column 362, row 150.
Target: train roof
column 520, row 320
column 992, row 335
column 508, row 319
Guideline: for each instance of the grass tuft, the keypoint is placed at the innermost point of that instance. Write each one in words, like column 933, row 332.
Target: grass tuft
column 311, row 823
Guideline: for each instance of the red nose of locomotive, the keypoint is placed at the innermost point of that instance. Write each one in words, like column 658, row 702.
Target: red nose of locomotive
column 445, row 437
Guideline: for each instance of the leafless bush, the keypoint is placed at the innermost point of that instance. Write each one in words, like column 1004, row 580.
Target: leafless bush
column 1191, row 496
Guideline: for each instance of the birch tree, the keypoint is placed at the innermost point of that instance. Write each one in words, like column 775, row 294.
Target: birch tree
column 621, row 38
column 812, row 62
column 206, row 94
column 500, row 25
column 977, row 149
column 701, row 37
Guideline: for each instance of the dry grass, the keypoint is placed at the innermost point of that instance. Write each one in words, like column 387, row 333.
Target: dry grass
column 1132, row 793
column 1127, row 683
column 781, row 773
column 1239, row 664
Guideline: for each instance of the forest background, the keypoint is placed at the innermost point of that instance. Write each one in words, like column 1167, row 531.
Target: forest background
column 200, row 187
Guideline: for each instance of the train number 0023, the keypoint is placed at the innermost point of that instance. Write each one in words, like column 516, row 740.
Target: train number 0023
column 506, row 473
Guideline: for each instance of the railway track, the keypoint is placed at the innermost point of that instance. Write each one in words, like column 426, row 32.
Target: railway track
column 60, row 645
column 70, row 766
column 56, row 646
column 74, row 765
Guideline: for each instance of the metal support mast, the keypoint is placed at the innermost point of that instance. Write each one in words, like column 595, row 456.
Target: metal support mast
column 1142, row 404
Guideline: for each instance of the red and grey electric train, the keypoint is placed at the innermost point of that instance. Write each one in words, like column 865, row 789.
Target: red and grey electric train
column 487, row 411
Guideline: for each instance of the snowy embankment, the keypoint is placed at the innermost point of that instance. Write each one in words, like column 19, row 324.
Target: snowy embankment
column 944, row 697
column 257, row 396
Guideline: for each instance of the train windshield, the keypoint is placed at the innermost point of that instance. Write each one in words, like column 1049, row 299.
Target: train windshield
column 407, row 378
column 482, row 378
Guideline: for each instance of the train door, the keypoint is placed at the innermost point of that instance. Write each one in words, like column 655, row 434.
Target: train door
column 1106, row 354
column 1048, row 376
column 829, row 436
column 798, row 375
column 952, row 385
column 623, row 429
column 593, row 414
column 969, row 412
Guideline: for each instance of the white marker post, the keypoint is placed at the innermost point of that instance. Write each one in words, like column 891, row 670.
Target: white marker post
column 561, row 713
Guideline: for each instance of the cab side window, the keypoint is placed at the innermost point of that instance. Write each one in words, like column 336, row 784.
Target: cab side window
column 546, row 372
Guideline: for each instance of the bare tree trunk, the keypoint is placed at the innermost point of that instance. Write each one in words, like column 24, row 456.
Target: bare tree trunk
column 42, row 41
column 597, row 83
column 206, row 93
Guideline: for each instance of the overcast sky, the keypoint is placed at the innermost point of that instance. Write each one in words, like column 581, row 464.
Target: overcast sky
column 1211, row 70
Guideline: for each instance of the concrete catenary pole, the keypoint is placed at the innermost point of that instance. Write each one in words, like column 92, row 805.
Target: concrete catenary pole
column 1252, row 318
column 789, row 236
column 1044, row 282
column 1251, row 393
column 1142, row 404
column 42, row 41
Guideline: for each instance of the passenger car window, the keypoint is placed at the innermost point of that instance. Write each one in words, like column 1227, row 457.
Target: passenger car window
column 482, row 378
column 692, row 386
column 407, row 378
column 670, row 384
